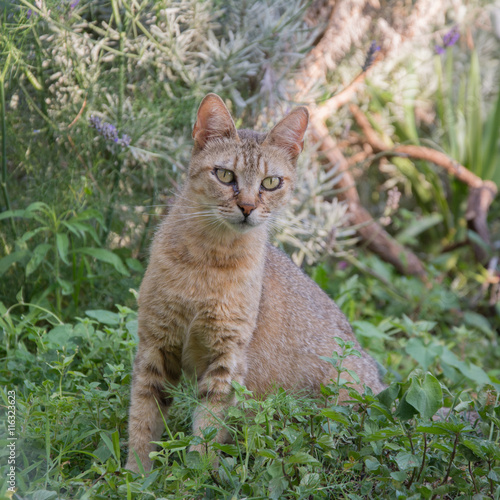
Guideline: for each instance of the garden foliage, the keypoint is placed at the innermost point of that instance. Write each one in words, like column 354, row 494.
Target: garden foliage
column 97, row 101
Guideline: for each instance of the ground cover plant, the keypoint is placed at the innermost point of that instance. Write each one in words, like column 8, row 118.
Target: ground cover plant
column 97, row 102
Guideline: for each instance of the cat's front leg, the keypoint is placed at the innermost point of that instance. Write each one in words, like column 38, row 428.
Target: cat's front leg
column 154, row 366
column 216, row 393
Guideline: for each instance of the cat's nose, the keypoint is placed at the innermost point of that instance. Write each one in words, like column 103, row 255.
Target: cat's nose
column 246, row 208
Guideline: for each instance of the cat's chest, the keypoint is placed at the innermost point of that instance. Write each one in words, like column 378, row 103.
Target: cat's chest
column 203, row 293
column 200, row 284
column 201, row 306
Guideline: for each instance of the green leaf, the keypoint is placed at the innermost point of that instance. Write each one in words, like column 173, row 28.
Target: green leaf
column 8, row 260
column 66, row 286
column 176, row 444
column 473, row 117
column 62, row 242
column 301, row 457
column 389, row 395
column 477, row 321
column 109, row 444
column 417, row 227
column 88, row 214
column 405, row 411
column 491, row 152
column 61, row 336
column 399, row 476
column 37, row 257
column 471, row 371
column 229, row 449
column 35, row 207
column 132, row 328
column 104, row 317
column 134, row 265
column 336, row 416
column 372, row 464
column 26, row 213
column 80, row 229
column 428, row 398
column 116, row 445
column 29, row 234
column 11, row 213
column 406, row 460
column 320, row 276
column 441, row 428
column 277, row 486
column 366, row 329
column 44, row 495
column 105, row 256
column 267, row 453
column 425, row 355
column 383, row 434
column 149, row 480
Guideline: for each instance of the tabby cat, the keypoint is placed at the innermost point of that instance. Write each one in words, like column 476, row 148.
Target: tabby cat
column 218, row 302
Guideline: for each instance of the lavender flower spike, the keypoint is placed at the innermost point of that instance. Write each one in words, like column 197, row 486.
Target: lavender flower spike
column 370, row 55
column 449, row 39
column 109, row 131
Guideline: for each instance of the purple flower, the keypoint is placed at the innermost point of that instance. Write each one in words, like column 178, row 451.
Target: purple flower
column 449, row 39
column 370, row 55
column 109, row 131
column 73, row 4
column 341, row 265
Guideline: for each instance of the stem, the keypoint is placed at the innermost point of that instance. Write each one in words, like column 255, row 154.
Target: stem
column 451, row 459
column 363, row 415
column 415, row 469
column 472, row 477
column 492, row 426
column 35, row 306
column 4, row 152
column 423, row 458
column 489, row 479
column 338, row 368
column 121, row 94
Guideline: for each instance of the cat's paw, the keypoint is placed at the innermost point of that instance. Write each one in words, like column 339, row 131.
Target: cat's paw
column 133, row 466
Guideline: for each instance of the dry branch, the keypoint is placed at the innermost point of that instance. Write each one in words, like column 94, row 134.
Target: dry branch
column 372, row 234
column 481, row 193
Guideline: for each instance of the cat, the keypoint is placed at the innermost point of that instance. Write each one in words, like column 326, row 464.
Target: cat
column 218, row 302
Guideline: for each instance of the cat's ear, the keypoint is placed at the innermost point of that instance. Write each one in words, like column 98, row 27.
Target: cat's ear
column 213, row 121
column 288, row 134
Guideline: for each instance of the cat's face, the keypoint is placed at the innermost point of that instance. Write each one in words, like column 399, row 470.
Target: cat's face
column 241, row 181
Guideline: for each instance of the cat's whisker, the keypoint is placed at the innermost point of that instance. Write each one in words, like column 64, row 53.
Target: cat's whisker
column 208, row 205
column 182, row 218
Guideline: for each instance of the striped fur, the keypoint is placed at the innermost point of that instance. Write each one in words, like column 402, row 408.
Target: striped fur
column 217, row 301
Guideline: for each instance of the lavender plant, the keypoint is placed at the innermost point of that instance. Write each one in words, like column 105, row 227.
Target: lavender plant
column 88, row 78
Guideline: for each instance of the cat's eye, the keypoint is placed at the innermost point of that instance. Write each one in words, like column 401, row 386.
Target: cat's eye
column 271, row 183
column 225, row 176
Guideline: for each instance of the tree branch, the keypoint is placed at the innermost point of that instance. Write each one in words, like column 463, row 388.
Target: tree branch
column 481, row 193
column 375, row 237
